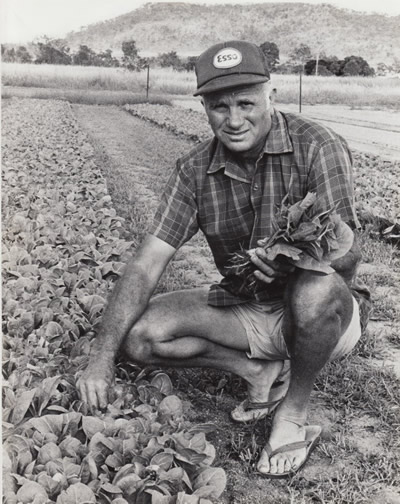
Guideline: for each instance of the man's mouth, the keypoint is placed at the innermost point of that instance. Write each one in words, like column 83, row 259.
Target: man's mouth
column 236, row 134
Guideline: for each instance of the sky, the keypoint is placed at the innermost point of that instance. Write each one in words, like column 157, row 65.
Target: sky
column 24, row 20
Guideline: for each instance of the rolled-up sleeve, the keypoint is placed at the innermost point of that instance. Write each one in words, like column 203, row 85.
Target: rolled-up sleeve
column 331, row 178
column 175, row 220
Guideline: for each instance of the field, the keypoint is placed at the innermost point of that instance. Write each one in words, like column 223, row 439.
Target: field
column 353, row 91
column 79, row 186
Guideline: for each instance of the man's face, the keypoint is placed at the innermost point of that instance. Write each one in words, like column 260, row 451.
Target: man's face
column 240, row 118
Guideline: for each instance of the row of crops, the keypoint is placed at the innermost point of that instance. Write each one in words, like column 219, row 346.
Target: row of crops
column 63, row 248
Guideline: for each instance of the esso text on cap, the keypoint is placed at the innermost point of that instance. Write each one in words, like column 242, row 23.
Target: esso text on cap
column 227, row 58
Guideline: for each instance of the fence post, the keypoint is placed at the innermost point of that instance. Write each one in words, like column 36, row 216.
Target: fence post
column 148, row 82
column 300, row 89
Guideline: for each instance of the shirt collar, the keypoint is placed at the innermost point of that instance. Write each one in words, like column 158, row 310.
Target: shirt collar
column 278, row 141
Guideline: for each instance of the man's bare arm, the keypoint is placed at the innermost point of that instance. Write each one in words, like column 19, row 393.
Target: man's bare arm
column 128, row 301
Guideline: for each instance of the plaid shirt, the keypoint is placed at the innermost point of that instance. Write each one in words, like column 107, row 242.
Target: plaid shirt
column 209, row 190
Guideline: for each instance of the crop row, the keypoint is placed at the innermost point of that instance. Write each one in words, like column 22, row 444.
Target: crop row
column 377, row 181
column 63, row 248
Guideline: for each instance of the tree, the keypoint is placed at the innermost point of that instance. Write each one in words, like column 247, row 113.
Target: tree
column 131, row 59
column 170, row 59
column 271, row 52
column 190, row 63
column 351, row 65
column 356, row 65
column 382, row 69
column 8, row 54
column 351, row 68
column 85, row 56
column 106, row 59
column 22, row 55
column 53, row 52
column 301, row 54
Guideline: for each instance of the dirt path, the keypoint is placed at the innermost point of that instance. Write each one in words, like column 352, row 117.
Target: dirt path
column 129, row 147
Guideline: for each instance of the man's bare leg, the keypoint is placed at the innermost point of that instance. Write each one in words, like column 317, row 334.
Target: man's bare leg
column 319, row 310
column 180, row 329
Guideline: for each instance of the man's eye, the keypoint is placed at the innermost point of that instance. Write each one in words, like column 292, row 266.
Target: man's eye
column 246, row 104
column 219, row 106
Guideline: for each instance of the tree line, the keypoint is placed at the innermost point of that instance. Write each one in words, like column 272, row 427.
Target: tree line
column 301, row 59
column 56, row 52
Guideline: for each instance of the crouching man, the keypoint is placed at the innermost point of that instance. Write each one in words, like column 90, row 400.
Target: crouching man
column 228, row 187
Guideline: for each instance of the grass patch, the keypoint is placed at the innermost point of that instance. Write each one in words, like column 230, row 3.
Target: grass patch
column 165, row 80
column 352, row 385
column 86, row 97
column 375, row 92
column 393, row 335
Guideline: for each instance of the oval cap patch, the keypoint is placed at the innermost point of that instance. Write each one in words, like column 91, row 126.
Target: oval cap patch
column 227, row 58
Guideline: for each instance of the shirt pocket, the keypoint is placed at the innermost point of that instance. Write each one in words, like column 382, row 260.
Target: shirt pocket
column 227, row 219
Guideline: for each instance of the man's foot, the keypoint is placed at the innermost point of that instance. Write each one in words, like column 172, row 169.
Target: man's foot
column 288, row 448
column 264, row 392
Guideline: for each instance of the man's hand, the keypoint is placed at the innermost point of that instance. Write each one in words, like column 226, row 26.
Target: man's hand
column 94, row 385
column 269, row 271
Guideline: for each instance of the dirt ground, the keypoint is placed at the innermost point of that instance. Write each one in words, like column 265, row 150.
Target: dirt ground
column 124, row 142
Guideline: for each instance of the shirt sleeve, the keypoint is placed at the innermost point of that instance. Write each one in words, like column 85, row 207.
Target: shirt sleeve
column 331, row 178
column 175, row 220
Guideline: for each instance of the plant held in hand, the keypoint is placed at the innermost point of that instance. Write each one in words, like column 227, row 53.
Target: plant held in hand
column 306, row 235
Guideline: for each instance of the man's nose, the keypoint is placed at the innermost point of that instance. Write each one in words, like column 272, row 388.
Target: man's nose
column 235, row 118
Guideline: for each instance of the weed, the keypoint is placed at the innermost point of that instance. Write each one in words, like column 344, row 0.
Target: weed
column 243, row 447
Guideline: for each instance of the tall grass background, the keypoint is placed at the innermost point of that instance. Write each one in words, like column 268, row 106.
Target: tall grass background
column 375, row 92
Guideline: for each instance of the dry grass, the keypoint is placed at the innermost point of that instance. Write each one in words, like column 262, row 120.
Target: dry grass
column 85, row 96
column 353, row 91
column 96, row 78
column 375, row 92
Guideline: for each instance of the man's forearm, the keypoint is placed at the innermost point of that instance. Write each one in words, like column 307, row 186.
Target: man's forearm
column 126, row 304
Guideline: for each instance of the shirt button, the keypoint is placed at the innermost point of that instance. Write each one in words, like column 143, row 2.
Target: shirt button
column 255, row 187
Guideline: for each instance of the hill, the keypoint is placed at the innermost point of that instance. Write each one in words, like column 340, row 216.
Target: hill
column 189, row 28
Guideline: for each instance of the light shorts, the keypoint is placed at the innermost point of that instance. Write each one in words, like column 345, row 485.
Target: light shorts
column 263, row 325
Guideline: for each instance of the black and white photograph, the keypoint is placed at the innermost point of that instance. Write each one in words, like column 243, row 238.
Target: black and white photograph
column 200, row 252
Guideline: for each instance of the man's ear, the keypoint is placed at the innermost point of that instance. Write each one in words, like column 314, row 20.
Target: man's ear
column 202, row 102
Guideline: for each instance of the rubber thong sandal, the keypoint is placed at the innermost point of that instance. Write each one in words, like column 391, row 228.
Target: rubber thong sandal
column 312, row 436
column 250, row 411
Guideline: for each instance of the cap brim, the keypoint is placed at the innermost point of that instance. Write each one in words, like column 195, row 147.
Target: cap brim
column 229, row 81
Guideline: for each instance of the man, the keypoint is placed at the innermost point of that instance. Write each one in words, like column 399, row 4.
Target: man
column 228, row 187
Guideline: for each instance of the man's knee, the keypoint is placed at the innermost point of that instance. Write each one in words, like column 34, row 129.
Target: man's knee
column 314, row 298
column 143, row 342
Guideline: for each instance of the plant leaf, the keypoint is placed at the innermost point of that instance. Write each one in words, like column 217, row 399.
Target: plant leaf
column 283, row 248
column 77, row 493
column 54, row 423
column 309, row 263
column 163, row 382
column 23, row 401
column 211, row 482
